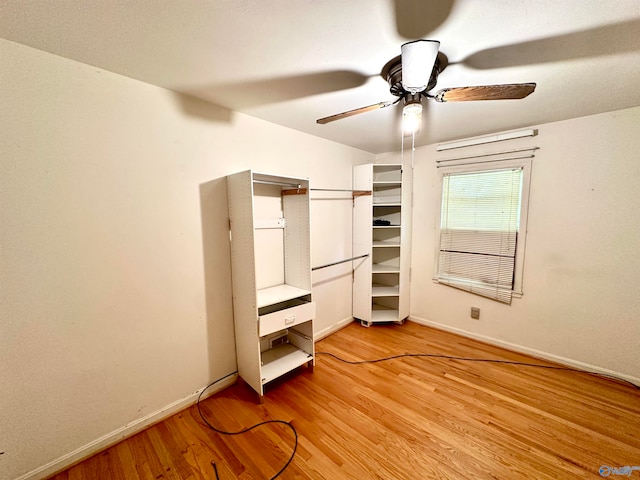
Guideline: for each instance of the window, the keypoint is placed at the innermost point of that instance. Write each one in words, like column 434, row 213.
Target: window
column 482, row 227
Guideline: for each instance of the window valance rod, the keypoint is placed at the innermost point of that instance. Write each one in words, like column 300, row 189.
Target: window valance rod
column 483, row 155
column 500, row 137
column 478, row 161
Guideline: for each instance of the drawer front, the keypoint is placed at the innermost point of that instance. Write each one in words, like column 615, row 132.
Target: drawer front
column 286, row 318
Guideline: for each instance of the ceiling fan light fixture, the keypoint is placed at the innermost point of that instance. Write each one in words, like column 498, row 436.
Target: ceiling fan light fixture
column 418, row 58
column 411, row 118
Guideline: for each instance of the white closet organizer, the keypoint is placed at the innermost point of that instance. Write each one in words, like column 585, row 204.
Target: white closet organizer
column 271, row 275
column 381, row 230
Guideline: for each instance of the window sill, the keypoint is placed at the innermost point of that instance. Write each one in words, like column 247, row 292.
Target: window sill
column 514, row 293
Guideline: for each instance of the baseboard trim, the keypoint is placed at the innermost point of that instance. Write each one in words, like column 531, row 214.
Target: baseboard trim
column 332, row 329
column 526, row 350
column 110, row 439
column 66, row 461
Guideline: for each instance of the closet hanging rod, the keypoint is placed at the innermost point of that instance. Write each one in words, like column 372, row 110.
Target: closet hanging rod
column 341, row 261
column 354, row 193
column 332, row 190
column 282, row 184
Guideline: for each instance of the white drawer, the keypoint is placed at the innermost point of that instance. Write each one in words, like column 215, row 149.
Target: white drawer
column 288, row 317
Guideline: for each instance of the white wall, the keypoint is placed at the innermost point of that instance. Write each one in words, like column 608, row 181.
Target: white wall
column 581, row 301
column 115, row 295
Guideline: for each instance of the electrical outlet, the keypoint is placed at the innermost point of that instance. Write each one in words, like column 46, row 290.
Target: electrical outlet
column 475, row 313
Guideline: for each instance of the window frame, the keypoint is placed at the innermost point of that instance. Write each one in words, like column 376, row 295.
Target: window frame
column 482, row 165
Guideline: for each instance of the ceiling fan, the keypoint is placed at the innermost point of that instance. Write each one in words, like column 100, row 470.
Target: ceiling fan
column 414, row 73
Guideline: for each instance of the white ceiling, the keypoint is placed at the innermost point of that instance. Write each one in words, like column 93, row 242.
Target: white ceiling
column 293, row 61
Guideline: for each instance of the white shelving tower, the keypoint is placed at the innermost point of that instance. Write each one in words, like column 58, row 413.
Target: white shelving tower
column 271, row 275
column 381, row 230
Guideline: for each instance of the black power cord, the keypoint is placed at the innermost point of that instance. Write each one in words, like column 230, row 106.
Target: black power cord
column 471, row 359
column 377, row 360
column 248, row 429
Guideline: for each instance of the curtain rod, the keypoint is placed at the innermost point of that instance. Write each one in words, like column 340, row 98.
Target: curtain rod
column 504, row 152
column 479, row 162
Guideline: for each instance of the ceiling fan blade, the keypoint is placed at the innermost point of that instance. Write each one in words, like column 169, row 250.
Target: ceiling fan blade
column 509, row 91
column 418, row 58
column 356, row 111
column 239, row 95
column 417, row 18
column 610, row 39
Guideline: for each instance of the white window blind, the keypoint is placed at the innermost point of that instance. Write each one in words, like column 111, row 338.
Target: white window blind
column 479, row 225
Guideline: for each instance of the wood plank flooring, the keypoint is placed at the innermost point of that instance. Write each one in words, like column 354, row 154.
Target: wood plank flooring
column 407, row 418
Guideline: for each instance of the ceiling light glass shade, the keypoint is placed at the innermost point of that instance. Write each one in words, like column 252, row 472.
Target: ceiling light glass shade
column 411, row 118
column 418, row 58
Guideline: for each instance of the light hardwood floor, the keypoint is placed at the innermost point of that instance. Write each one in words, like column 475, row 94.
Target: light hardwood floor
column 409, row 418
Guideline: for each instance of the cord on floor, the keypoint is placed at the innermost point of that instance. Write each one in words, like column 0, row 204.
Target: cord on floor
column 377, row 360
column 471, row 359
column 248, row 429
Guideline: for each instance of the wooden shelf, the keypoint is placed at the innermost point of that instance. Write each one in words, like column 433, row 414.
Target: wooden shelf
column 377, row 268
column 378, row 290
column 385, row 244
column 382, row 314
column 279, row 293
column 282, row 359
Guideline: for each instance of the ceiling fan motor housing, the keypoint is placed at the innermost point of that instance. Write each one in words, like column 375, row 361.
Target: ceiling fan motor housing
column 410, row 98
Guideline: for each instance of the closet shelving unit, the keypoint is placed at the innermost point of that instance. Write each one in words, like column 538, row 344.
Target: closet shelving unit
column 271, row 275
column 381, row 230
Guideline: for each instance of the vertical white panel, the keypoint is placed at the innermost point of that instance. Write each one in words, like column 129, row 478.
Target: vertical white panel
column 297, row 262
column 269, row 251
column 269, row 242
column 245, row 311
column 362, row 222
column 405, row 241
